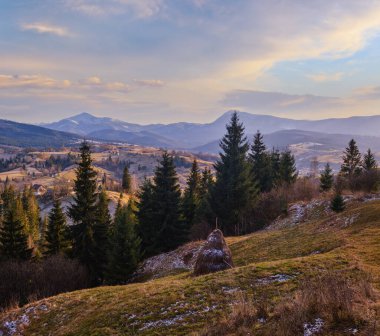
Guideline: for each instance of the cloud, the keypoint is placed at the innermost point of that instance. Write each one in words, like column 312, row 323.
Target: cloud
column 32, row 82
column 149, row 82
column 43, row 28
column 275, row 102
column 368, row 92
column 325, row 77
column 138, row 8
column 89, row 83
column 94, row 80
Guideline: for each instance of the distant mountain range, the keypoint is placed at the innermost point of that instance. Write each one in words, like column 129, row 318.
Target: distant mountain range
column 25, row 135
column 201, row 136
column 324, row 139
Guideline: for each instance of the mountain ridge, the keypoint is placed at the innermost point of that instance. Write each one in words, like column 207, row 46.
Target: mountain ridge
column 186, row 135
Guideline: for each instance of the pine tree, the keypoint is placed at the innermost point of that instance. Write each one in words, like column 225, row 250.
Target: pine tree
column 32, row 211
column 326, row 179
column 191, row 197
column 204, row 216
column 288, row 170
column 127, row 180
column 83, row 211
column 337, row 203
column 351, row 160
column 167, row 206
column 147, row 223
column 275, row 159
column 101, row 234
column 234, row 191
column 8, row 196
column 13, row 236
column 57, row 234
column 125, row 246
column 369, row 161
column 261, row 163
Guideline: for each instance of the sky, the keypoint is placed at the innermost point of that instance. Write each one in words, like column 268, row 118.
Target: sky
column 148, row 61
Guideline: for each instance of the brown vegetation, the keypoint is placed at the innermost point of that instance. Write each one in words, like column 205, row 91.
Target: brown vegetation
column 23, row 282
column 339, row 303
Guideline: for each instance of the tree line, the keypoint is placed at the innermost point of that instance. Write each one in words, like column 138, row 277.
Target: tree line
column 357, row 172
column 158, row 219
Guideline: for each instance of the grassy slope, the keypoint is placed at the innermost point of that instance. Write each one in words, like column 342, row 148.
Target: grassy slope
column 180, row 304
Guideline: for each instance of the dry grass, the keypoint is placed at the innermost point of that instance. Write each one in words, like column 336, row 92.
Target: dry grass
column 340, row 302
column 239, row 321
column 326, row 281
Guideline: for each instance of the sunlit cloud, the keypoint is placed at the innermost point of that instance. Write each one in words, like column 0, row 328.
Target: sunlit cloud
column 325, row 77
column 149, row 82
column 139, row 8
column 193, row 59
column 31, row 81
column 43, row 28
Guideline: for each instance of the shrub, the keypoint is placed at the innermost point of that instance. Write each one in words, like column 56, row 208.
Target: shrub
column 22, row 282
column 337, row 203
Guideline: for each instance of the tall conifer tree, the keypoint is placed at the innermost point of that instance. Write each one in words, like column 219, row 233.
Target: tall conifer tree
column 351, row 165
column 101, row 235
column 191, row 197
column 326, row 179
column 32, row 212
column 13, row 236
column 57, row 239
column 288, row 170
column 369, row 161
column 83, row 211
column 124, row 252
column 275, row 159
column 127, row 180
column 171, row 229
column 147, row 224
column 261, row 163
column 234, row 191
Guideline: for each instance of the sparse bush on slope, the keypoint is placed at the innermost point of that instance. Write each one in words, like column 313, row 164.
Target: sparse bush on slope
column 25, row 281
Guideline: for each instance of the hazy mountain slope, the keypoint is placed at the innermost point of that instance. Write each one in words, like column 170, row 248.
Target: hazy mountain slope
column 322, row 141
column 25, row 135
column 142, row 138
column 86, row 123
column 189, row 135
column 270, row 266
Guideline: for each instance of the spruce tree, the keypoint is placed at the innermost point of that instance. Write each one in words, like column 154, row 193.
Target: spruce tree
column 191, row 197
column 234, row 191
column 172, row 232
column 125, row 246
column 326, row 179
column 13, row 236
column 83, row 211
column 351, row 165
column 288, row 170
column 369, row 161
column 261, row 163
column 127, row 180
column 57, row 239
column 32, row 211
column 204, row 217
column 337, row 203
column 8, row 196
column 148, row 229
column 275, row 159
column 101, row 235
